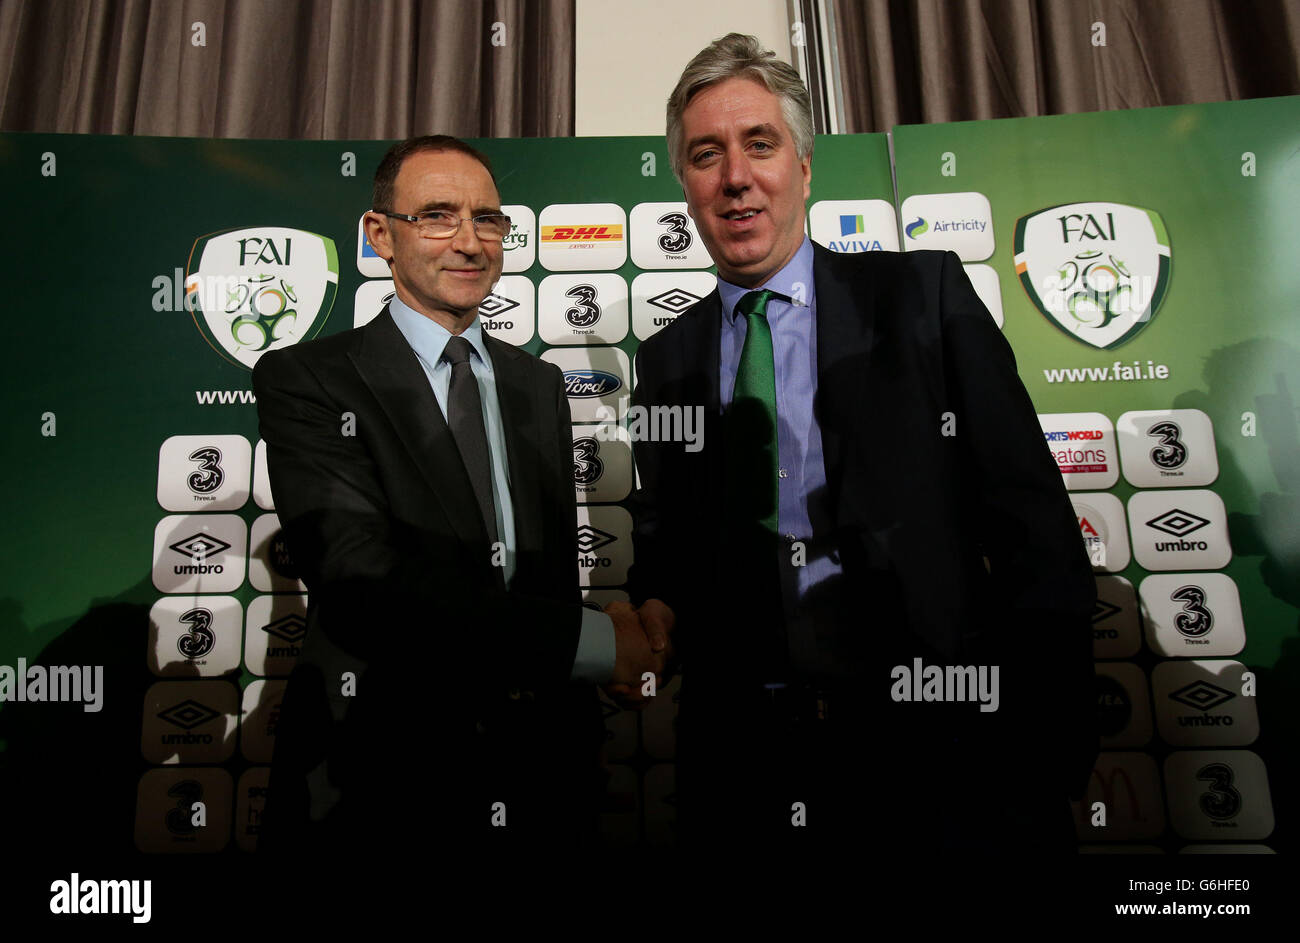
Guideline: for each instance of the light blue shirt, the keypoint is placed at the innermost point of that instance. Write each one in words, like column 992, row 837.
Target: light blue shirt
column 594, row 662
column 802, row 467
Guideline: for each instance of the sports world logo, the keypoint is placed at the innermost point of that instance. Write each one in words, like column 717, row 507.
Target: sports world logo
column 1097, row 271
column 259, row 289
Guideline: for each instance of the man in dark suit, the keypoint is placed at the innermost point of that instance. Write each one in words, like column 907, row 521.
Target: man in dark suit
column 423, row 474
column 874, row 489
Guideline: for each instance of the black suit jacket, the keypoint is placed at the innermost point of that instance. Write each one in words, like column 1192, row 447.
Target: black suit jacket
column 905, row 352
column 462, row 695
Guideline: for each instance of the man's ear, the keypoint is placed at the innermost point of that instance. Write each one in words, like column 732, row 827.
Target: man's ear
column 806, row 166
column 378, row 234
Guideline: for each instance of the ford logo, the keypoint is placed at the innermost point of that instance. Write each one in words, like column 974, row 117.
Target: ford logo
column 588, row 383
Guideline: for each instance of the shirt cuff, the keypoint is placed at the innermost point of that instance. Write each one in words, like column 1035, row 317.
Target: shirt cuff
column 594, row 662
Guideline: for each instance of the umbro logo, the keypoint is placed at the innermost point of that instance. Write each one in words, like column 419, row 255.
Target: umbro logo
column 1202, row 695
column 494, row 305
column 188, row 714
column 199, row 546
column 592, row 538
column 674, row 300
column 1177, row 522
column 1104, row 610
column 291, row 628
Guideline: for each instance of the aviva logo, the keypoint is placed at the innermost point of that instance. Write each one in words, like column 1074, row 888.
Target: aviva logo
column 1097, row 271
column 259, row 289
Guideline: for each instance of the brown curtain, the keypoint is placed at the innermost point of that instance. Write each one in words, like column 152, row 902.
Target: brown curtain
column 330, row 69
column 920, row 61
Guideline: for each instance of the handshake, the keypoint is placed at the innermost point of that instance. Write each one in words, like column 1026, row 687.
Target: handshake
column 642, row 644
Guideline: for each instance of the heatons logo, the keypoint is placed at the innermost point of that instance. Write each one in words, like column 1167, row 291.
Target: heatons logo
column 259, row 289
column 1098, row 271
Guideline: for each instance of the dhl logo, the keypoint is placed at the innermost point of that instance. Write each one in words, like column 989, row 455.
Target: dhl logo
column 582, row 233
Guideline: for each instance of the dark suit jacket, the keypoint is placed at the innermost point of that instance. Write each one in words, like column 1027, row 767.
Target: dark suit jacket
column 904, row 347
column 462, row 695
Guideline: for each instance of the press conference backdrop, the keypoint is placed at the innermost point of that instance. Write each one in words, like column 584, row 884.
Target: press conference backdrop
column 1138, row 262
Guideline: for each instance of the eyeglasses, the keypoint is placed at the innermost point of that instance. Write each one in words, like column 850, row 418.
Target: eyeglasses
column 490, row 227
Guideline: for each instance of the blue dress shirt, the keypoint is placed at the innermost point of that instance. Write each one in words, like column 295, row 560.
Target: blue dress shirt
column 802, row 469
column 594, row 662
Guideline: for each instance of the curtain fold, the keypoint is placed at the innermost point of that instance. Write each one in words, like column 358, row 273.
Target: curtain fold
column 324, row 69
column 919, row 61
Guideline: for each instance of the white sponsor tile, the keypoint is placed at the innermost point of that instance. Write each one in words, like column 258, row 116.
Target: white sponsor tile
column 1179, row 530
column 588, row 308
column 1083, row 445
column 199, row 553
column 204, row 472
column 1167, row 448
column 195, row 636
column 1219, row 794
column 1101, row 525
column 582, row 237
column 1192, row 615
column 664, row 237
column 961, row 222
column 1200, row 704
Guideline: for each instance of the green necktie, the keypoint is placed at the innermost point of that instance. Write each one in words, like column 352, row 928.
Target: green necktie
column 751, row 423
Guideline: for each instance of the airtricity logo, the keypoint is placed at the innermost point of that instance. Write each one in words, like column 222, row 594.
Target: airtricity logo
column 260, row 289
column 1098, row 271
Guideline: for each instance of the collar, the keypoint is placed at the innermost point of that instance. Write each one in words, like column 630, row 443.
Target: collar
column 799, row 270
column 428, row 338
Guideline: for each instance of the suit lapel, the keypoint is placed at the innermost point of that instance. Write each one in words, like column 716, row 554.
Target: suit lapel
column 845, row 336
column 390, row 368
column 701, row 352
column 519, row 416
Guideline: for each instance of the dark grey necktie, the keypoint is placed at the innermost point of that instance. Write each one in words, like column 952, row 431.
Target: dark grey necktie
column 465, row 419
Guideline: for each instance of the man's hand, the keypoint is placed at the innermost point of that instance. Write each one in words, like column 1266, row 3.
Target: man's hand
column 642, row 643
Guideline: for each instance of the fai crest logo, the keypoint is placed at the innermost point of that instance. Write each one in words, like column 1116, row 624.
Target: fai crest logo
column 1098, row 271
column 259, row 289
